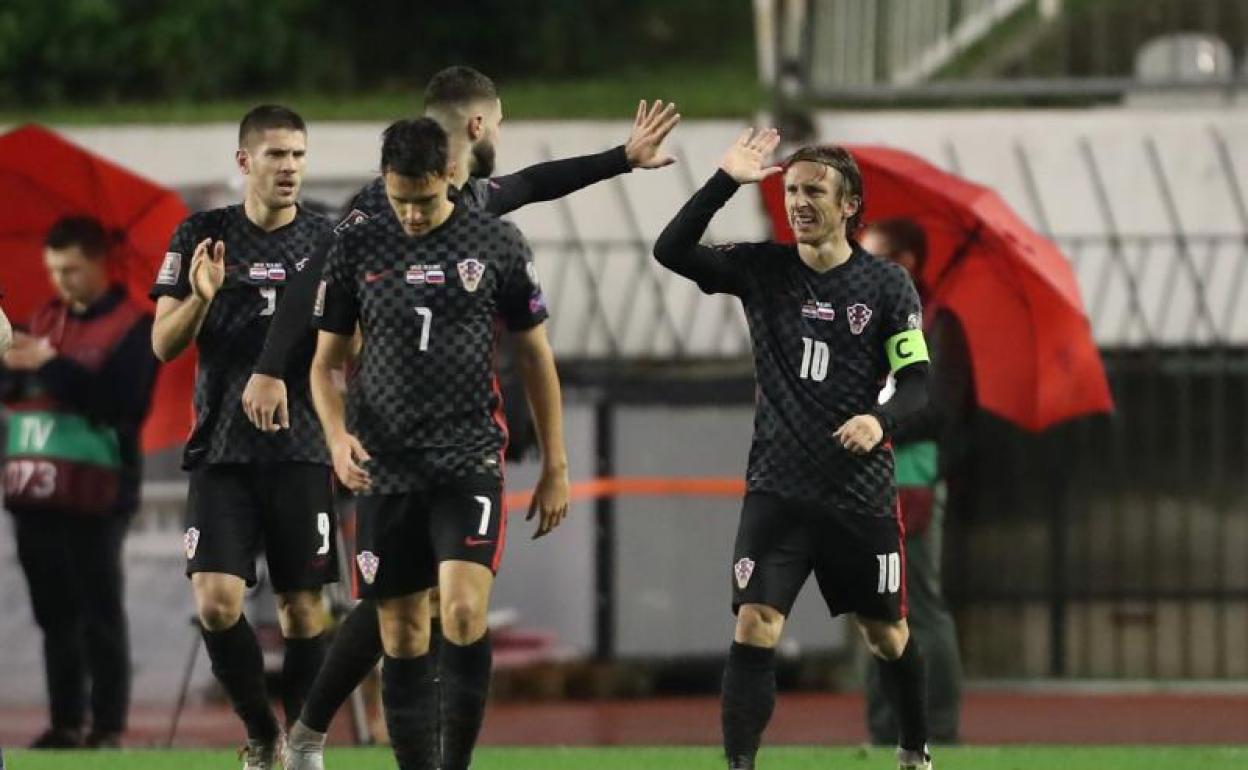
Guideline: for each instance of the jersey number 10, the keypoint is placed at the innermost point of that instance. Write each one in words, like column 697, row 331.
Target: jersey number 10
column 815, row 358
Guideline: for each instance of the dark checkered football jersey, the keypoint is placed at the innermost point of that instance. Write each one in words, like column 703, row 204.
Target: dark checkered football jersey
column 819, row 359
column 258, row 265
column 429, row 308
column 371, row 200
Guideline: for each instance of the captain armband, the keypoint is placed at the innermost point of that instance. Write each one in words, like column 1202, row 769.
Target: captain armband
column 906, row 348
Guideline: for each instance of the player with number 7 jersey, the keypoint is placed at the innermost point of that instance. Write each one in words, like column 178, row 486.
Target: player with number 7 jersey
column 250, row 490
column 420, row 436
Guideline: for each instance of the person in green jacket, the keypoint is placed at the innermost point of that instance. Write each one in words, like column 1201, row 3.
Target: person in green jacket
column 925, row 451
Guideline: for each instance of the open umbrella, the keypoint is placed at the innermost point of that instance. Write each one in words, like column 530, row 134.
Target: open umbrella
column 43, row 177
column 1034, row 360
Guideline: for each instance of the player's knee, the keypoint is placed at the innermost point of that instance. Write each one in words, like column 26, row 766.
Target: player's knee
column 759, row 625
column 888, row 642
column 463, row 619
column 300, row 614
column 218, row 612
column 404, row 637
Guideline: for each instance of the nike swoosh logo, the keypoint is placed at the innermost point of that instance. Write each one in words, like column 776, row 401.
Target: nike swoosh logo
column 471, row 541
column 375, row 277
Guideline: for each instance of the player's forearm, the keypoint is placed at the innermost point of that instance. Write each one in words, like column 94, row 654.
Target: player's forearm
column 294, row 312
column 555, row 179
column 677, row 246
column 174, row 330
column 328, row 401
column 541, row 386
column 909, row 399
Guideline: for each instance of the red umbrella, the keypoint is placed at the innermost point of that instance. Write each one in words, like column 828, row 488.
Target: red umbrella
column 43, row 178
column 1035, row 362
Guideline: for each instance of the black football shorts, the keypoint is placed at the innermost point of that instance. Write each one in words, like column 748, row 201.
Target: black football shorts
column 858, row 559
column 402, row 538
column 285, row 510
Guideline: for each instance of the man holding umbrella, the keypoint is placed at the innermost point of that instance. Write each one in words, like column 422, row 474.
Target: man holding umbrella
column 924, row 453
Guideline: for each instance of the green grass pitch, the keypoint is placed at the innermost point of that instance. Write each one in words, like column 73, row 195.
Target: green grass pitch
column 780, row 758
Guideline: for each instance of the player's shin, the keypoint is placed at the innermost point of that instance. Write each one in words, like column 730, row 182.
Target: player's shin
column 905, row 685
column 465, row 685
column 354, row 652
column 300, row 665
column 749, row 696
column 409, row 695
column 239, row 665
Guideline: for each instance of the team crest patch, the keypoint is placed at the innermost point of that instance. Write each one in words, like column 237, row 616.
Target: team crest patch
column 470, row 272
column 191, row 541
column 858, row 315
column 350, row 220
column 170, row 269
column 743, row 569
column 531, row 269
column 914, row 321
column 368, row 562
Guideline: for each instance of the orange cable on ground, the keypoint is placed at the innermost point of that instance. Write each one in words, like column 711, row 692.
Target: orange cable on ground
column 640, row 486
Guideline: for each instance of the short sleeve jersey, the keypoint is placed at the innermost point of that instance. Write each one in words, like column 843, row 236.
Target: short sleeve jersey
column 819, row 358
column 258, row 265
column 429, row 308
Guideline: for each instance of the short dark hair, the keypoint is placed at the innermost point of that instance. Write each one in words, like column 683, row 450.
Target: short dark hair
column 903, row 234
column 82, row 231
column 266, row 117
column 415, row 148
column 838, row 158
column 458, row 85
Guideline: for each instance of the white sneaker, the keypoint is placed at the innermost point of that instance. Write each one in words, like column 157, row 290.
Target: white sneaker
column 914, row 760
column 304, row 749
column 260, row 755
column 303, row 757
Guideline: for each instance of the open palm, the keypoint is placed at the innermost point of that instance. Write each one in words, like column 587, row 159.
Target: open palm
column 746, row 158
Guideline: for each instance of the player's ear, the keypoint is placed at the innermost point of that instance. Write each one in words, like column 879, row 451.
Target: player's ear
column 476, row 127
column 850, row 205
column 452, row 167
column 243, row 159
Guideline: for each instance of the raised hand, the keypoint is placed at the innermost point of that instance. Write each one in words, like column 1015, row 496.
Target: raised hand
column 207, row 269
column 653, row 123
column 745, row 159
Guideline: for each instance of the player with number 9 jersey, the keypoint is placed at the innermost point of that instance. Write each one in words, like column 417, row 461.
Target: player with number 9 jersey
column 251, row 491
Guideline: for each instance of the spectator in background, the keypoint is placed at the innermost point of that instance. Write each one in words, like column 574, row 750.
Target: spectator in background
column 76, row 387
column 925, row 450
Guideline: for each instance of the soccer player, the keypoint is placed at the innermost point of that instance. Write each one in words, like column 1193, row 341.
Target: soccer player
column 423, row 441
column 251, row 491
column 828, row 323
column 467, row 106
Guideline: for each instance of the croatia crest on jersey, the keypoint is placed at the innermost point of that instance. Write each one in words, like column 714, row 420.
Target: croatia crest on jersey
column 742, row 570
column 858, row 315
column 190, row 541
column 368, row 563
column 470, row 272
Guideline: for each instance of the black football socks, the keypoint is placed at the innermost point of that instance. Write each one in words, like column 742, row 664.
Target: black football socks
column 409, row 693
column 239, row 665
column 352, row 655
column 904, row 682
column 749, row 696
column 465, row 685
column 300, row 665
